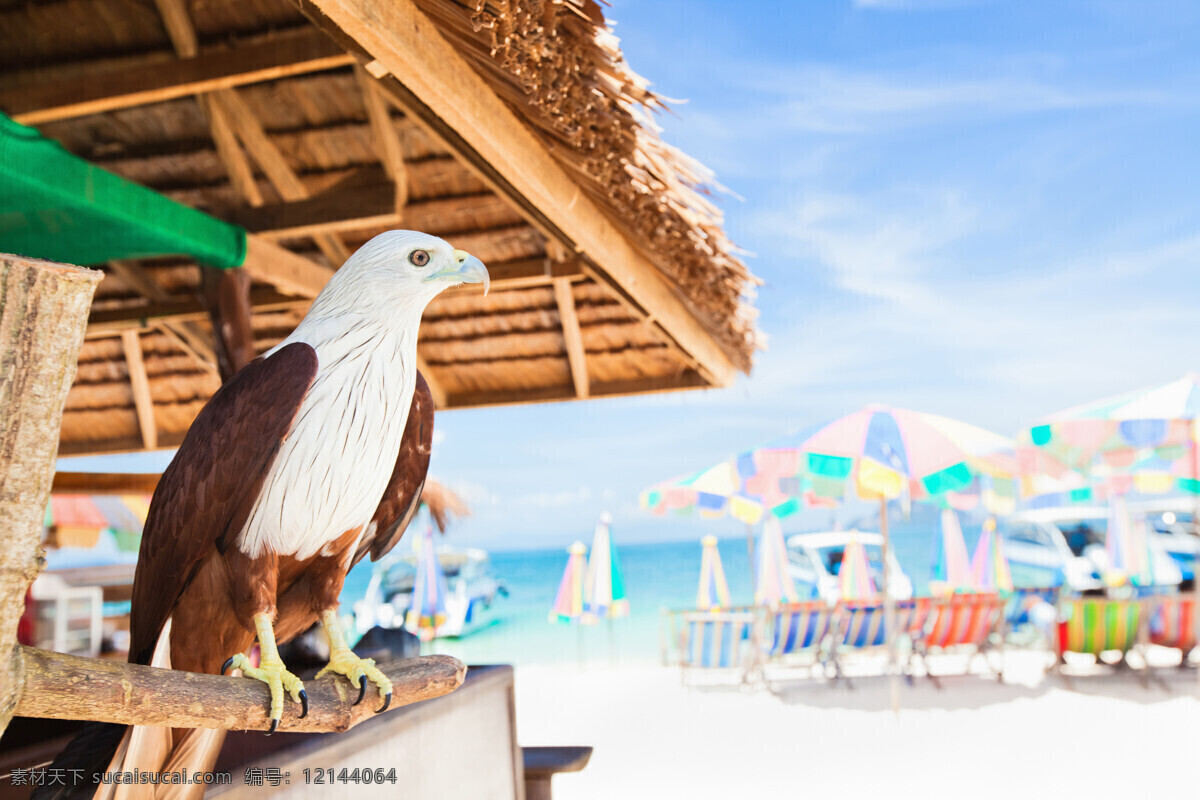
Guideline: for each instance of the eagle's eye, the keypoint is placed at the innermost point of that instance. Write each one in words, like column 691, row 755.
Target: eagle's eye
column 418, row 258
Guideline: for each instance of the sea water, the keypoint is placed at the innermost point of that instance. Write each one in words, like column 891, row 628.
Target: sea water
column 657, row 577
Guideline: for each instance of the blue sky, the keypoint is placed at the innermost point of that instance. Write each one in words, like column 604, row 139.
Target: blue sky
column 986, row 210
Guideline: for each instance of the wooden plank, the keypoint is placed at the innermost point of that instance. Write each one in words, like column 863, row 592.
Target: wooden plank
column 408, row 44
column 571, row 335
column 105, row 482
column 273, row 163
column 369, row 203
column 670, row 383
column 122, row 444
column 387, row 142
column 142, row 401
column 283, row 56
column 180, row 308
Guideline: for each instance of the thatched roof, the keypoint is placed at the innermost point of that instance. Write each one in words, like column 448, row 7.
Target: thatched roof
column 611, row 273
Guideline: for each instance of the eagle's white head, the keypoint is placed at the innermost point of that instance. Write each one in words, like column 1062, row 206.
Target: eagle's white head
column 397, row 272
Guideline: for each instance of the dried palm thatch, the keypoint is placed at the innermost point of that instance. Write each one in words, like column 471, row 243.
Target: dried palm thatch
column 444, row 505
column 311, row 160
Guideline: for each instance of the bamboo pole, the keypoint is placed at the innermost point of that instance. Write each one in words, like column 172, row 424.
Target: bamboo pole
column 60, row 686
column 43, row 314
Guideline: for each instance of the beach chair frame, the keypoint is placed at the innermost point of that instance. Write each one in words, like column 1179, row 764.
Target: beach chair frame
column 795, row 635
column 720, row 643
column 858, row 626
column 964, row 621
column 1170, row 623
column 1096, row 625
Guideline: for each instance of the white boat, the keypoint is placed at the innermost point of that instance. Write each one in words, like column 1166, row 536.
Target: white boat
column 814, row 560
column 471, row 589
column 1065, row 546
column 1173, row 520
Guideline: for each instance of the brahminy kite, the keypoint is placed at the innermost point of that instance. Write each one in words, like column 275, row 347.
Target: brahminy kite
column 303, row 462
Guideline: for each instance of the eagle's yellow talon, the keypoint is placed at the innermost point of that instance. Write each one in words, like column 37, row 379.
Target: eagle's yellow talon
column 270, row 671
column 342, row 661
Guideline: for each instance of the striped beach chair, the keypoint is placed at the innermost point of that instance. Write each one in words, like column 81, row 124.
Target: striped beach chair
column 860, row 627
column 1173, row 624
column 716, row 642
column 959, row 622
column 1095, row 625
column 795, row 632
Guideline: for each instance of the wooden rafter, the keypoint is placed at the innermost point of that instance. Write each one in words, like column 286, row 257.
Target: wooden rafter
column 689, row 379
column 506, row 276
column 187, row 335
column 387, row 143
column 273, row 163
column 142, row 401
column 572, row 335
column 281, row 56
column 442, row 92
column 283, row 269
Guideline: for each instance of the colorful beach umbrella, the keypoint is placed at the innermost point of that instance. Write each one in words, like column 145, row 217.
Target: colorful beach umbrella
column 952, row 569
column 713, row 592
column 773, row 583
column 854, row 574
column 568, row 603
column 990, row 571
column 1144, row 440
column 428, row 610
column 604, row 588
column 78, row 519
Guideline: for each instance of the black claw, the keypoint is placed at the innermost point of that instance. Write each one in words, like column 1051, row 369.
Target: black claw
column 226, row 665
column 387, row 701
column 303, row 704
column 274, row 727
column 362, row 689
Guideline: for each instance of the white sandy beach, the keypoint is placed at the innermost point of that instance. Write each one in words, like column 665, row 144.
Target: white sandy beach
column 1031, row 736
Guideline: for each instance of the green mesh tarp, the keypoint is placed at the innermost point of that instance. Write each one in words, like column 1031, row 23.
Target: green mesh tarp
column 57, row 206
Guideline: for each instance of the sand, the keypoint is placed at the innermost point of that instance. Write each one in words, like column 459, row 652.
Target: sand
column 1104, row 736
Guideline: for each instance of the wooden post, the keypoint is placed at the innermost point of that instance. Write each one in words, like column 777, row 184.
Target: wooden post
column 43, row 314
column 889, row 609
column 227, row 295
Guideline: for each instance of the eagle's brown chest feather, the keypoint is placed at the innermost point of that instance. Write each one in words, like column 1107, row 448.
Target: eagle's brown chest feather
column 214, row 617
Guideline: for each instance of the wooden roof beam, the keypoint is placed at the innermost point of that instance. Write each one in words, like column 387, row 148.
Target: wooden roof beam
column 186, row 335
column 572, row 336
column 105, row 482
column 439, row 89
column 175, row 309
column 281, row 56
column 142, row 401
column 387, row 142
column 688, row 379
column 278, row 171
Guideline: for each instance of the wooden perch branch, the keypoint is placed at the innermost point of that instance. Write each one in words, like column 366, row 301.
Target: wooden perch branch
column 59, row 686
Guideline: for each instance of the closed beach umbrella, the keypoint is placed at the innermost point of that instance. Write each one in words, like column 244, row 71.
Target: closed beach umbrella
column 604, row 588
column 568, row 603
column 428, row 609
column 952, row 571
column 77, row 520
column 1127, row 547
column 854, row 574
column 713, row 592
column 773, row 583
column 989, row 566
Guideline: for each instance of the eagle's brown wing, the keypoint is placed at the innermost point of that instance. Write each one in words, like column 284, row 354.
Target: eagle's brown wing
column 207, row 492
column 403, row 495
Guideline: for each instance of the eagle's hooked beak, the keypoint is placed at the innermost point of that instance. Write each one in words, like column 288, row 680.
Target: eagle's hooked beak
column 467, row 269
